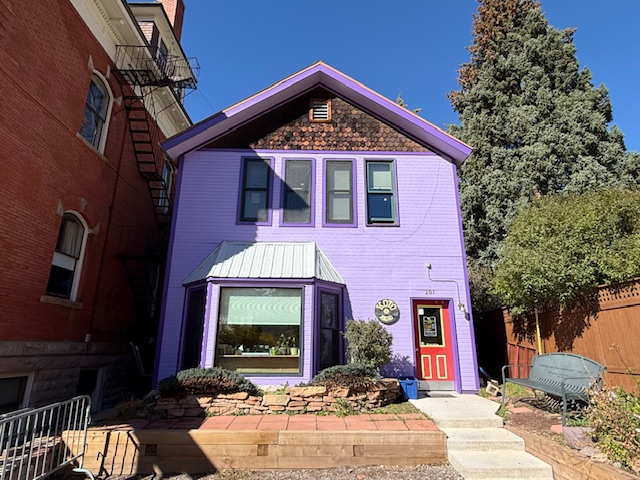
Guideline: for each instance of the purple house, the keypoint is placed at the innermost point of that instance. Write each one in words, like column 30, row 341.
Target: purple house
column 315, row 201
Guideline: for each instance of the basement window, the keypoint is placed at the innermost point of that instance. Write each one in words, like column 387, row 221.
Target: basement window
column 320, row 110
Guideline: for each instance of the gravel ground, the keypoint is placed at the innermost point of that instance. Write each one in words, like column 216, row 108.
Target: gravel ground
column 420, row 472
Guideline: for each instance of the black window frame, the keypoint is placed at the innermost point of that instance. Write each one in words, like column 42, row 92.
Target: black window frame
column 244, row 190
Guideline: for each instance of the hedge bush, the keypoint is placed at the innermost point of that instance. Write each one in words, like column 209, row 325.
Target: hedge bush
column 614, row 415
column 352, row 375
column 209, row 381
column 368, row 343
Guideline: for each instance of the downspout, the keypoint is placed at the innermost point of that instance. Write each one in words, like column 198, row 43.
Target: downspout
column 106, row 232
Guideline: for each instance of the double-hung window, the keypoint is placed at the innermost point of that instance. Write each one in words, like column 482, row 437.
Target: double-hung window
column 65, row 266
column 297, row 191
column 339, row 192
column 256, row 190
column 95, row 113
column 381, row 197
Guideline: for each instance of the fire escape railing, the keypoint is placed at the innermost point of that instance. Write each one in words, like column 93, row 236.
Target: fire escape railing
column 146, row 69
column 149, row 66
column 142, row 70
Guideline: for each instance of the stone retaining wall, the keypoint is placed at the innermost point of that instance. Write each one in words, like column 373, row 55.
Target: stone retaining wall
column 293, row 400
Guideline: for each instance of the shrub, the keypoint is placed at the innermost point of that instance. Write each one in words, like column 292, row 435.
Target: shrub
column 614, row 415
column 368, row 343
column 209, row 381
column 351, row 375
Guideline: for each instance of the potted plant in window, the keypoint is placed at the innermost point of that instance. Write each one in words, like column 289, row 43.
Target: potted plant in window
column 283, row 344
column 294, row 349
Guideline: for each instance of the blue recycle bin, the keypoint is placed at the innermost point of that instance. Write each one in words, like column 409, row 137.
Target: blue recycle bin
column 409, row 387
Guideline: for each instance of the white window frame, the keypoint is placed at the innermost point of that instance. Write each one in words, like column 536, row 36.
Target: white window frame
column 80, row 261
column 26, row 397
column 105, row 127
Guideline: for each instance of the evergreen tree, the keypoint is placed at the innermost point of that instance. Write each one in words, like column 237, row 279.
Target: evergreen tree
column 537, row 124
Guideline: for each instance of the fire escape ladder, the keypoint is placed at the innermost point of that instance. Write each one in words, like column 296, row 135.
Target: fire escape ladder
column 146, row 69
column 145, row 136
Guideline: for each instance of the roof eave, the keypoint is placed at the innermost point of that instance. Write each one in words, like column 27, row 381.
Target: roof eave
column 318, row 74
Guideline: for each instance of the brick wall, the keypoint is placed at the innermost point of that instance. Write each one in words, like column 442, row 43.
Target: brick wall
column 175, row 12
column 46, row 63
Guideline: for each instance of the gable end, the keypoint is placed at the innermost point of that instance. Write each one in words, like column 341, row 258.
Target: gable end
column 289, row 127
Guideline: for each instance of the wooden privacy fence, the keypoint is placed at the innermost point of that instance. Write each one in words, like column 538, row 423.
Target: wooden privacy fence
column 606, row 332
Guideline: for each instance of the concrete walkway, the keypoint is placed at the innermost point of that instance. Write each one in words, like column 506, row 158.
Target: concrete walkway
column 478, row 446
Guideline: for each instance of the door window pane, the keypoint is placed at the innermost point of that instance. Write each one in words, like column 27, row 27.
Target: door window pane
column 192, row 344
column 329, row 353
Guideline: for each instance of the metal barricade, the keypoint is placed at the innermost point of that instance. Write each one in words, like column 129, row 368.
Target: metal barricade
column 36, row 442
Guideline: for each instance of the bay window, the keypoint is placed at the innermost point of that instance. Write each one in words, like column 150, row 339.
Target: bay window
column 259, row 330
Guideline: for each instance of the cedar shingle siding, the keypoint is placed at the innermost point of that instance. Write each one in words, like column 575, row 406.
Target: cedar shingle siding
column 288, row 128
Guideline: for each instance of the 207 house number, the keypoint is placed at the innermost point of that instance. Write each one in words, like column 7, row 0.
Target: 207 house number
column 429, row 292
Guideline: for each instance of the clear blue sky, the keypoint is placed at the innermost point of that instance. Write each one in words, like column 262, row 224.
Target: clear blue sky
column 412, row 46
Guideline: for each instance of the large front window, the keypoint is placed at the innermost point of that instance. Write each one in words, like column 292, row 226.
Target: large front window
column 259, row 330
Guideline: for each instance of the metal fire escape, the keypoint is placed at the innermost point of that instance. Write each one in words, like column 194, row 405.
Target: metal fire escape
column 147, row 69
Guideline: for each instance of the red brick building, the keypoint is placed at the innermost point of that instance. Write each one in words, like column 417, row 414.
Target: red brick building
column 88, row 89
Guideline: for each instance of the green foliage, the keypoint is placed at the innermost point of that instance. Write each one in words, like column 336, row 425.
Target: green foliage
column 400, row 101
column 561, row 247
column 208, row 381
column 401, row 408
column 614, row 415
column 537, row 124
column 351, row 375
column 344, row 408
column 368, row 343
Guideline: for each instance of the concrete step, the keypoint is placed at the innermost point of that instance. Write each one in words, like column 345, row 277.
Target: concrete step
column 461, row 411
column 474, row 465
column 482, row 439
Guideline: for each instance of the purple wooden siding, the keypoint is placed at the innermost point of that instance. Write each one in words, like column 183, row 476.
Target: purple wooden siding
column 376, row 261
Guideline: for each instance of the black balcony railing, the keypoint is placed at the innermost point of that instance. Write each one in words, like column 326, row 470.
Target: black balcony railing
column 146, row 66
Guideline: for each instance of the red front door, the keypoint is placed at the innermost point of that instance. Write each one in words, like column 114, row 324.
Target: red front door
column 434, row 353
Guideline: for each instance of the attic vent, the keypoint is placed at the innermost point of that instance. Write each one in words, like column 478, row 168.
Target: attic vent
column 320, row 110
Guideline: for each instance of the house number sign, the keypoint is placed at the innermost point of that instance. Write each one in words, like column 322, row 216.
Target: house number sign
column 387, row 311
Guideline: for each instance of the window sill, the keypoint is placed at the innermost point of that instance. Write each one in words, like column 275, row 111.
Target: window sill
column 61, row 301
column 89, row 145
